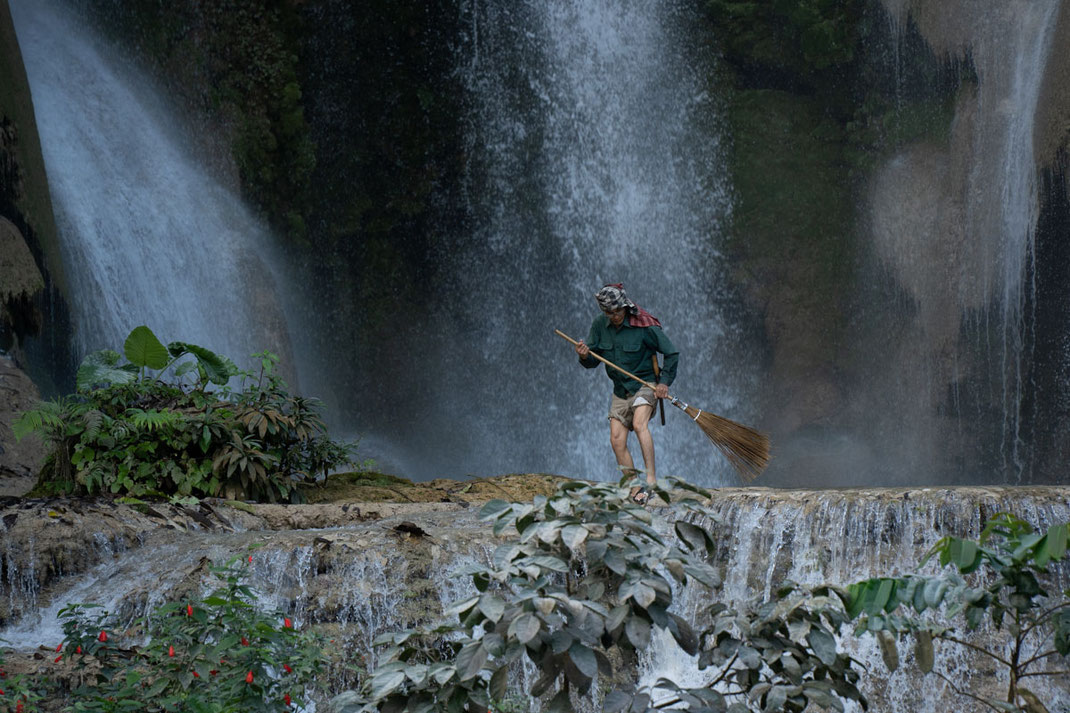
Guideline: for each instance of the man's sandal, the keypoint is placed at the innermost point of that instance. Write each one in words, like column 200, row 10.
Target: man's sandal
column 641, row 496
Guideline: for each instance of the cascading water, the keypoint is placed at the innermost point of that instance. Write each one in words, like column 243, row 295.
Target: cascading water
column 955, row 225
column 148, row 237
column 593, row 158
column 364, row 579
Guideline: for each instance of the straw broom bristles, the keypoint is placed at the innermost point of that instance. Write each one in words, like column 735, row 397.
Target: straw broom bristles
column 744, row 447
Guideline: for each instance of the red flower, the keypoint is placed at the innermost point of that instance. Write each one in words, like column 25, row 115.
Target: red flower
column 286, row 699
column 18, row 707
column 287, row 667
column 249, row 677
column 78, row 650
column 103, row 636
column 189, row 610
column 286, row 623
column 59, row 646
column 213, row 672
column 196, row 675
column 1, row 691
column 250, row 559
column 171, row 651
column 244, row 641
column 58, row 659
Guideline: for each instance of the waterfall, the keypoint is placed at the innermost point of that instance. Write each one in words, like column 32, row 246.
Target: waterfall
column 147, row 235
column 955, row 226
column 593, row 157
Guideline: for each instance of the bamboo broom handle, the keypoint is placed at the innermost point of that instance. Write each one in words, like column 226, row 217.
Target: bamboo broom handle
column 605, row 361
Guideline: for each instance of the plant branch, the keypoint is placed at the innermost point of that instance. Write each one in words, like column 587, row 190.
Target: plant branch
column 1044, row 615
column 1038, row 657
column 725, row 671
column 961, row 692
column 1043, row 673
column 978, row 649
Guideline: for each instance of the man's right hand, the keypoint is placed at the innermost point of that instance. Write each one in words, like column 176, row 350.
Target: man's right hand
column 583, row 350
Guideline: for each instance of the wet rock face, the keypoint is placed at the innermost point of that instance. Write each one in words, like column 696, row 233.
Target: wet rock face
column 20, row 461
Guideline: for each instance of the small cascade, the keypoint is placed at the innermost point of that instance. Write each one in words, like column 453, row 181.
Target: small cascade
column 838, row 537
column 359, row 581
column 147, row 235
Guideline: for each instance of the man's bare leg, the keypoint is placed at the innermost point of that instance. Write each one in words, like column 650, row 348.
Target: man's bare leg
column 640, row 423
column 618, row 439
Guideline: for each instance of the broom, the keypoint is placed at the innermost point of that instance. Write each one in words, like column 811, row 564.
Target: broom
column 745, row 448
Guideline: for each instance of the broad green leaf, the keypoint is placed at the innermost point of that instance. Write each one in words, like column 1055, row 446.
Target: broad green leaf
column 643, row 594
column 499, row 684
column 584, row 659
column 492, row 605
column 823, row 644
column 217, row 369
column 493, row 508
column 934, row 592
column 470, row 660
column 638, row 631
column 965, row 555
column 573, row 536
column 889, row 651
column 923, row 651
column 549, row 562
column 525, row 627
column 1058, row 536
column 142, row 348
column 460, row 607
column 616, row 702
column 692, row 535
column 386, row 683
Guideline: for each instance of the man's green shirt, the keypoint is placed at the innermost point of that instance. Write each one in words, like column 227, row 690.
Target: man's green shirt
column 632, row 349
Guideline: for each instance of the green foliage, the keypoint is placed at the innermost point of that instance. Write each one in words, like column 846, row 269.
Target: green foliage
column 1009, row 564
column 128, row 431
column 20, row 693
column 787, row 36
column 580, row 586
column 219, row 654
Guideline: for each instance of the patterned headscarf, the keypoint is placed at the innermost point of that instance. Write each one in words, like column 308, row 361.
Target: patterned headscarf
column 612, row 297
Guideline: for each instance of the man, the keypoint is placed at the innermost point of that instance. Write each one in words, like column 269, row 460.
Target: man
column 630, row 337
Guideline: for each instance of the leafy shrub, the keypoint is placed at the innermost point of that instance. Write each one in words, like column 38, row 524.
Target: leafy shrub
column 18, row 692
column 128, row 430
column 219, row 654
column 579, row 590
column 1009, row 564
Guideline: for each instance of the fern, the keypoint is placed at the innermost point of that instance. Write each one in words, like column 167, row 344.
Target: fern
column 94, row 420
column 153, row 420
column 46, row 420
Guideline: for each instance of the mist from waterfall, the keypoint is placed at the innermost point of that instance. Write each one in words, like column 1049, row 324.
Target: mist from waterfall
column 147, row 235
column 593, row 158
column 954, row 225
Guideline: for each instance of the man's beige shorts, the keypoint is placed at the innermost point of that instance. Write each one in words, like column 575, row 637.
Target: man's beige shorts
column 624, row 409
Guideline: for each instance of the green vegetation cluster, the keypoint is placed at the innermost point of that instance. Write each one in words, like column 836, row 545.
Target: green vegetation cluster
column 216, row 654
column 130, row 431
